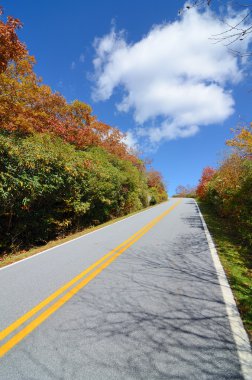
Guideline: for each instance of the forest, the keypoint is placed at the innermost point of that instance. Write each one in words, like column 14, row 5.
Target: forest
column 61, row 168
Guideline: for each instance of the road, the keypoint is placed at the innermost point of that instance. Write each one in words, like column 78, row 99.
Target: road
column 139, row 299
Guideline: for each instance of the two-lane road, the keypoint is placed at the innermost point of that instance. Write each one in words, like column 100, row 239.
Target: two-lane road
column 139, row 299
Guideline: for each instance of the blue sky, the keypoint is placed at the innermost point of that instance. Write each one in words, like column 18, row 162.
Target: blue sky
column 146, row 71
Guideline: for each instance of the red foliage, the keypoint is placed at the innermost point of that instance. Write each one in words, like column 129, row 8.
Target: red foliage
column 207, row 175
column 154, row 179
column 27, row 106
column 10, row 46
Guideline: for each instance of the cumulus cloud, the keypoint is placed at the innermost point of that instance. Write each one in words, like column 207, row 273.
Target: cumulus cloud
column 130, row 140
column 174, row 78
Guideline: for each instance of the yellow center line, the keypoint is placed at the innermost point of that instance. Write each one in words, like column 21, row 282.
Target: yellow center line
column 8, row 330
column 99, row 266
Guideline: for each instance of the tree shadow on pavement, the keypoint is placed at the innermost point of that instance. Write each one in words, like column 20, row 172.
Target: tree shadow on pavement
column 156, row 313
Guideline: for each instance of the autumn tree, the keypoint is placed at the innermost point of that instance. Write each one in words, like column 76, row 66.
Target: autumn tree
column 243, row 141
column 11, row 49
column 156, row 186
column 61, row 168
column 206, row 177
column 155, row 179
column 27, row 105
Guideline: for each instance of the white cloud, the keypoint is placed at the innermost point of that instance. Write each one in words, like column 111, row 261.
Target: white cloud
column 130, row 140
column 174, row 76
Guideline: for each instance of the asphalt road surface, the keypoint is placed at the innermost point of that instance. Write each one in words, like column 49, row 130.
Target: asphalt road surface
column 150, row 309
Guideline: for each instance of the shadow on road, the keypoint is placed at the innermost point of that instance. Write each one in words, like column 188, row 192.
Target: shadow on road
column 156, row 313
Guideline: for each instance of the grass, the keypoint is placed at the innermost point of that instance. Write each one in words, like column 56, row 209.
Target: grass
column 13, row 257
column 236, row 260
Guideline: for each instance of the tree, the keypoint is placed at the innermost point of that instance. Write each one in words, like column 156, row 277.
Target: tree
column 185, row 191
column 243, row 141
column 237, row 31
column 61, row 168
column 207, row 175
column 28, row 106
column 156, row 186
column 11, row 49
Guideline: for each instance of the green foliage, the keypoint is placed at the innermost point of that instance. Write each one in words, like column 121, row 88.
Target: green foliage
column 48, row 187
column 156, row 188
column 60, row 167
column 229, row 188
column 153, row 196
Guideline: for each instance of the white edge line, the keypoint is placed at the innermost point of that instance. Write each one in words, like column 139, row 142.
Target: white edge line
column 240, row 336
column 80, row 237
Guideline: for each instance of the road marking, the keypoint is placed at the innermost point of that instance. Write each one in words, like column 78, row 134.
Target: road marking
column 240, row 336
column 97, row 268
column 80, row 237
column 8, row 330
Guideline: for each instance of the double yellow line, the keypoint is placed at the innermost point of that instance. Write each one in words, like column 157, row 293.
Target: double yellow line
column 81, row 280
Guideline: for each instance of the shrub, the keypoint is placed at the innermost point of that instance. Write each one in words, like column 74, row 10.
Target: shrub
column 48, row 187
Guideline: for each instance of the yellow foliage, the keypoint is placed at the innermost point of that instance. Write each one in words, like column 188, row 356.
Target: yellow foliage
column 243, row 141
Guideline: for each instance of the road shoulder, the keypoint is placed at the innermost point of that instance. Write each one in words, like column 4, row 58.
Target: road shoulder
column 240, row 336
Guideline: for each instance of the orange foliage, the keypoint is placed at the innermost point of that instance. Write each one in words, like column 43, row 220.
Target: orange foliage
column 11, row 49
column 154, row 179
column 229, row 176
column 206, row 177
column 27, row 105
column 243, row 141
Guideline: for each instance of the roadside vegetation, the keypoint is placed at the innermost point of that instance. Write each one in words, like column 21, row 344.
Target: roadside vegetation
column 224, row 195
column 61, row 169
column 228, row 189
column 235, row 258
column 17, row 255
